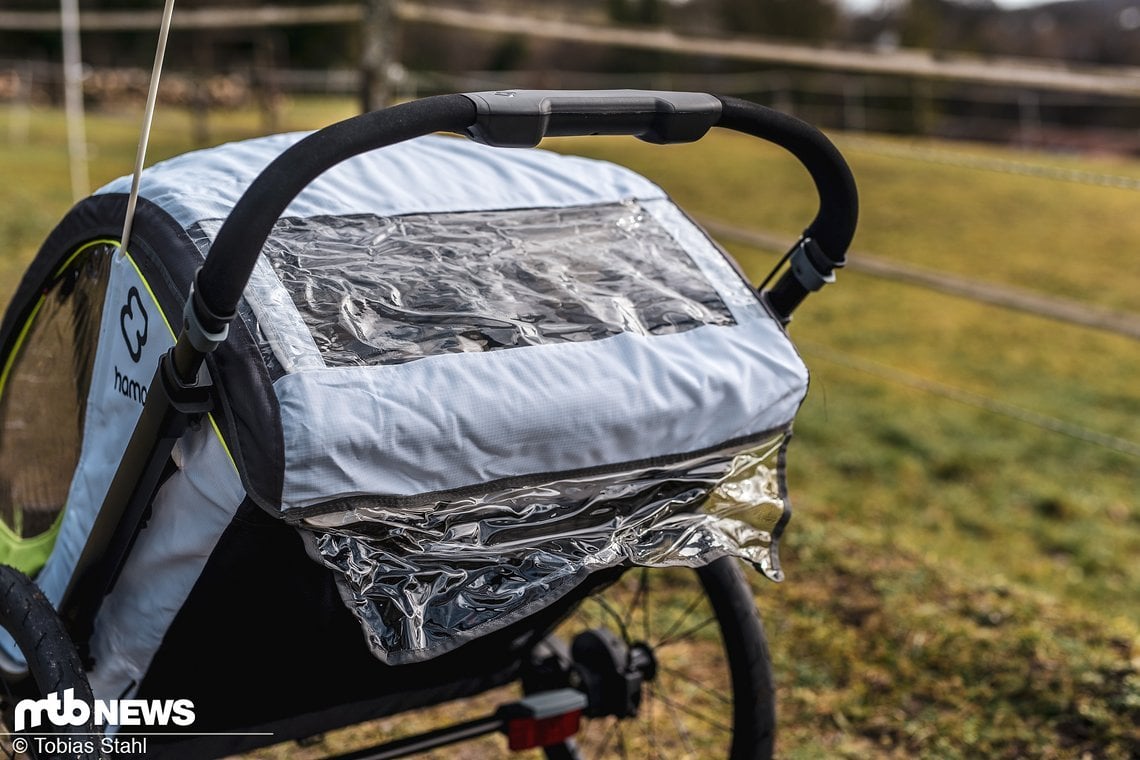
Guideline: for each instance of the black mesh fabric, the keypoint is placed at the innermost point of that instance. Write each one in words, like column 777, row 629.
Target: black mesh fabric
column 45, row 382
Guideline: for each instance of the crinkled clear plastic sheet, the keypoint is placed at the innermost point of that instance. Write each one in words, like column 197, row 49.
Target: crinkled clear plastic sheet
column 273, row 335
column 378, row 290
column 43, row 400
column 424, row 579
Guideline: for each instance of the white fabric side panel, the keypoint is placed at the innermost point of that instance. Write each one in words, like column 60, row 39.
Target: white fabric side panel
column 428, row 175
column 132, row 327
column 118, row 387
column 445, row 422
column 189, row 515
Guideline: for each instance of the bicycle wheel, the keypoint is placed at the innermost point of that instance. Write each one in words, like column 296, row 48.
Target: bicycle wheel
column 705, row 685
column 54, row 667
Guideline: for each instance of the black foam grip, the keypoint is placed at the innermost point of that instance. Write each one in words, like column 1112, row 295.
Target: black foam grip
column 834, row 224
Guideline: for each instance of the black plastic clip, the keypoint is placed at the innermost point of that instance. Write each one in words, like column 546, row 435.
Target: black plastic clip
column 191, row 400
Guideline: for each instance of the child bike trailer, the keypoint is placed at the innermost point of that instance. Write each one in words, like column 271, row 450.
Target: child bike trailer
column 368, row 420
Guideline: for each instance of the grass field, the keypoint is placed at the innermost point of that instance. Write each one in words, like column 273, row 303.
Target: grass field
column 961, row 583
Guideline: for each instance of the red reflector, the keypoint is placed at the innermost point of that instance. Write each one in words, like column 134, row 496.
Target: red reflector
column 527, row 733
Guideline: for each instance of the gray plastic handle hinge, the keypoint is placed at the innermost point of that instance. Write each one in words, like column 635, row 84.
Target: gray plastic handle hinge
column 203, row 340
column 521, row 118
column 810, row 266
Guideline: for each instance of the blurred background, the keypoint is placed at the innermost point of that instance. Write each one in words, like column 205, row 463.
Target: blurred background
column 964, row 559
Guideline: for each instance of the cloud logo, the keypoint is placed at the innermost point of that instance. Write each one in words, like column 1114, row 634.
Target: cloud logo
column 133, row 322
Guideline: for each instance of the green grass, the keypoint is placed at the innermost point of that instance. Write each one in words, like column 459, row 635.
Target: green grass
column 1067, row 239
column 960, row 583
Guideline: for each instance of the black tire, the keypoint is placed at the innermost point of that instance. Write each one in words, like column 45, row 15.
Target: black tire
column 53, row 667
column 723, row 596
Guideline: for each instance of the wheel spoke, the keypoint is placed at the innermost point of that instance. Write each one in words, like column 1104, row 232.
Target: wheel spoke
column 646, row 622
column 677, row 706
column 695, row 683
column 648, row 727
column 616, row 618
column 686, row 633
column 606, row 739
column 689, row 609
column 621, row 741
column 638, row 595
column 679, row 726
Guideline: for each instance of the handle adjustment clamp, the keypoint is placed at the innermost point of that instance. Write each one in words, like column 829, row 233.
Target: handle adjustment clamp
column 810, row 265
column 195, row 313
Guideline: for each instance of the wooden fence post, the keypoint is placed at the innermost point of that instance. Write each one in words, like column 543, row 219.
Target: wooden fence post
column 73, row 98
column 376, row 54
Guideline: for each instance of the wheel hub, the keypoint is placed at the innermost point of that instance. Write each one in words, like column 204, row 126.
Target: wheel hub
column 611, row 673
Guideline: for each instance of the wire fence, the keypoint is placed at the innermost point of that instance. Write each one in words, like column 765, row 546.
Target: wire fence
column 1069, row 312
column 996, row 406
column 978, row 291
column 853, row 103
column 965, row 160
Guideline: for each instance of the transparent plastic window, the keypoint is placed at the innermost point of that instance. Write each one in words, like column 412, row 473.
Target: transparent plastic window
column 423, row 579
column 375, row 290
column 44, row 385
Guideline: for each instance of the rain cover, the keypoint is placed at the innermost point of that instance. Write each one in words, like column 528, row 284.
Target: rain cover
column 424, row 580
column 425, row 572
column 496, row 371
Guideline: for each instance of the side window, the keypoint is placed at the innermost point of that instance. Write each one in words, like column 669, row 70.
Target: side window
column 45, row 376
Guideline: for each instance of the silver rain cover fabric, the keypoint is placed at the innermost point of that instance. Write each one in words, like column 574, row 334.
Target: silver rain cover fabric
column 423, row 580
column 426, row 572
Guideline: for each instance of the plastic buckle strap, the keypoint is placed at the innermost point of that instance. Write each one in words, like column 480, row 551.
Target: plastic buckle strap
column 203, row 340
column 810, row 266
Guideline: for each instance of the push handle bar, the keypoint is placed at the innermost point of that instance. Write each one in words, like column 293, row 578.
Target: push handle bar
column 523, row 118
column 823, row 245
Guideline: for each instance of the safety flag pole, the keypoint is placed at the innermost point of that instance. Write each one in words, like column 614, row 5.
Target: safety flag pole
column 148, row 120
column 73, row 98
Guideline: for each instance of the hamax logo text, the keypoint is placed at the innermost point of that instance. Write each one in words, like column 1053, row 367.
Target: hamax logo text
column 133, row 322
column 70, row 711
